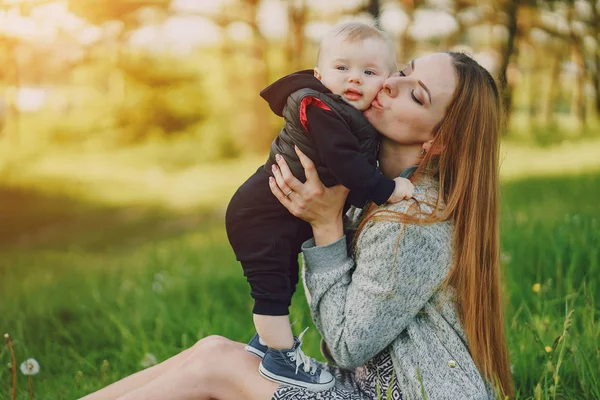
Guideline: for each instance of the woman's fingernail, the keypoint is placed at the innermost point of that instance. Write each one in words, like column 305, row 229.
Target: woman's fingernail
column 274, row 167
column 270, row 179
column 277, row 157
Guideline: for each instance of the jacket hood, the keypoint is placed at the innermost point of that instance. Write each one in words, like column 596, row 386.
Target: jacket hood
column 277, row 93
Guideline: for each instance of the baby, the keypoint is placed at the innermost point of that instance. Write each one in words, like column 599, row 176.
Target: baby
column 323, row 117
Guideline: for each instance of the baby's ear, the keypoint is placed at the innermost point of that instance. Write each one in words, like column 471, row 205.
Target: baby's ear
column 317, row 73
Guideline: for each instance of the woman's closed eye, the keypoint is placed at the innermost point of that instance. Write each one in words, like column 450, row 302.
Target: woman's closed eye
column 412, row 92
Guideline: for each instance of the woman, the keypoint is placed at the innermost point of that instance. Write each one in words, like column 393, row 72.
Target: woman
column 425, row 279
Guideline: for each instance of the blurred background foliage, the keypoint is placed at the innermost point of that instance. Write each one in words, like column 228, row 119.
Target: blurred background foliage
column 109, row 73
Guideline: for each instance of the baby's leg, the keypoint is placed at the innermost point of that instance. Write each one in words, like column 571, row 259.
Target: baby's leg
column 274, row 330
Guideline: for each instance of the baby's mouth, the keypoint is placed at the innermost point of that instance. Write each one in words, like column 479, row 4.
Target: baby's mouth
column 352, row 94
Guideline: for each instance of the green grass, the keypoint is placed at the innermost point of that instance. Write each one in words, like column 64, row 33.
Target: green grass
column 88, row 287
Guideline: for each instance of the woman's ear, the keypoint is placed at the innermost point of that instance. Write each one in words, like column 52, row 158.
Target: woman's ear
column 429, row 147
column 317, row 73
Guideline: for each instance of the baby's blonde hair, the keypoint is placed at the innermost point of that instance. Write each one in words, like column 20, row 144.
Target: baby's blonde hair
column 352, row 32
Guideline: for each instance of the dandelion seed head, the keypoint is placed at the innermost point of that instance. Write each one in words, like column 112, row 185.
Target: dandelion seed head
column 30, row 367
column 536, row 287
column 148, row 360
column 157, row 287
column 6, row 336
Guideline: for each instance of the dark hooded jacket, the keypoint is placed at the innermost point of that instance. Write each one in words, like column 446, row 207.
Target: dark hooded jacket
column 340, row 141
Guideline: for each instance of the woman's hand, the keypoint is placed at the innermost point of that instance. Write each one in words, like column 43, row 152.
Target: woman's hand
column 311, row 201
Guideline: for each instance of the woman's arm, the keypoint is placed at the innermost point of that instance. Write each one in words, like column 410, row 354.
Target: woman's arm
column 311, row 201
column 361, row 307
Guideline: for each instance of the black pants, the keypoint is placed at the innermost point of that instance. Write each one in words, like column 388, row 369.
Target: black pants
column 266, row 239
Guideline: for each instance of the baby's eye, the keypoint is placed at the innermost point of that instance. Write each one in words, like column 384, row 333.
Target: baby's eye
column 341, row 68
column 401, row 73
column 370, row 73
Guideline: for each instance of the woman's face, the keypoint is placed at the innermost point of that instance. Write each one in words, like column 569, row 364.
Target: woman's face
column 412, row 102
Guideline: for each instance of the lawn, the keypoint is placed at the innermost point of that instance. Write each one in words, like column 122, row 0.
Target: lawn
column 89, row 286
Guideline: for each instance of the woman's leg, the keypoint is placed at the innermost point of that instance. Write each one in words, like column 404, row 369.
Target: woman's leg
column 145, row 376
column 220, row 369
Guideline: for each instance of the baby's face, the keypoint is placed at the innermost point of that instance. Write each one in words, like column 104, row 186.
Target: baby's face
column 356, row 71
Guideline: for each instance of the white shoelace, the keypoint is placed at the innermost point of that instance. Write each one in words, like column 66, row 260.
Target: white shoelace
column 301, row 358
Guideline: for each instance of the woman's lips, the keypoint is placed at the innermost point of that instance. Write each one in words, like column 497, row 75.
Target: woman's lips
column 376, row 104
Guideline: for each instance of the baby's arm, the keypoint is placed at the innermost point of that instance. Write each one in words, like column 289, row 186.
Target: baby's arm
column 339, row 149
column 403, row 191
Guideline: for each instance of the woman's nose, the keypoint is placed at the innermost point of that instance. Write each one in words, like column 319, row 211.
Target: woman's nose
column 390, row 86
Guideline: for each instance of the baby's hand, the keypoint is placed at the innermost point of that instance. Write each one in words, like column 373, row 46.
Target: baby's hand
column 404, row 190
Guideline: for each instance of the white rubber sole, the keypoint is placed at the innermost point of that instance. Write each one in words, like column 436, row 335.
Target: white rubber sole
column 255, row 351
column 291, row 382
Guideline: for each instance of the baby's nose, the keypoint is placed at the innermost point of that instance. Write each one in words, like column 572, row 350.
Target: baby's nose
column 354, row 78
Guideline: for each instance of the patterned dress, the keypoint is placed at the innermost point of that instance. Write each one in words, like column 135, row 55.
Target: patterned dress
column 360, row 384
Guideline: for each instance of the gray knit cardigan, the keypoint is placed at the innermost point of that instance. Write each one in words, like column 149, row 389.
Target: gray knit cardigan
column 390, row 297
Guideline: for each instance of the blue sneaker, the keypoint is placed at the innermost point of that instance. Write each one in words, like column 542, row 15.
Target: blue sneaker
column 293, row 368
column 256, row 346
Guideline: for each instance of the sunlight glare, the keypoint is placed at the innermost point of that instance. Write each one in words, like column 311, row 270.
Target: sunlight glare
column 202, row 6
column 393, row 20
column 273, row 19
column 179, row 34
column 429, row 24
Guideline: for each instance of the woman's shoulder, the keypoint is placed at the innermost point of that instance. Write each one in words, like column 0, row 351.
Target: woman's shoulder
column 420, row 207
column 426, row 200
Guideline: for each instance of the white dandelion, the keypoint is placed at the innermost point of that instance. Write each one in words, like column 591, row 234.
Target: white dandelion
column 30, row 367
column 148, row 360
column 157, row 287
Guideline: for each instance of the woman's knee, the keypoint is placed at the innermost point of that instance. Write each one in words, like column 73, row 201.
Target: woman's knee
column 208, row 348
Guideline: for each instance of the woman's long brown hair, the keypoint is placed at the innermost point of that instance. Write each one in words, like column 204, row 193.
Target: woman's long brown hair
column 464, row 160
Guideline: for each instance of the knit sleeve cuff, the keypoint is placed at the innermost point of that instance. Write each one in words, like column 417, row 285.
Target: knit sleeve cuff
column 324, row 257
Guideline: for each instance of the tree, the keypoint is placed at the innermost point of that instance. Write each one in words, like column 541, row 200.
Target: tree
column 297, row 17
column 594, row 25
column 406, row 42
column 374, row 8
column 510, row 9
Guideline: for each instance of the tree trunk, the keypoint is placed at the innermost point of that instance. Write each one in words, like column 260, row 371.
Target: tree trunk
column 578, row 97
column 13, row 115
column 297, row 13
column 534, row 85
column 511, row 8
column 596, row 78
column 595, row 75
column 577, row 57
column 553, row 87
column 373, row 7
column 406, row 44
column 261, row 126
